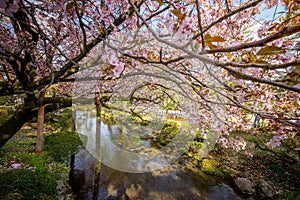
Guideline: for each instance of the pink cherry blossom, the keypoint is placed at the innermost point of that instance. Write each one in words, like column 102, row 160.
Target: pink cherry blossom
column 16, row 165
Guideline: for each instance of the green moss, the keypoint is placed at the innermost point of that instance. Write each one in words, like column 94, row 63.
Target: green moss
column 139, row 120
column 192, row 155
column 61, row 119
column 39, row 180
column 295, row 194
column 27, row 184
column 277, row 170
column 250, row 138
column 210, row 167
column 4, row 113
column 60, row 146
column 40, row 161
column 168, row 132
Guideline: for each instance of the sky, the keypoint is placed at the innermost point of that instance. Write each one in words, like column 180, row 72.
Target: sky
column 268, row 14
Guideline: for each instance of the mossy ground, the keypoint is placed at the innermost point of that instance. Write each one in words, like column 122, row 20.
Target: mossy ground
column 27, row 175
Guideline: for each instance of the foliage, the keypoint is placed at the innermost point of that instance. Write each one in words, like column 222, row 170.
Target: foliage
column 61, row 146
column 168, row 131
column 27, row 175
column 23, row 184
column 258, row 162
column 292, row 195
column 235, row 68
column 210, row 166
column 277, row 169
column 40, row 161
column 61, row 119
column 4, row 113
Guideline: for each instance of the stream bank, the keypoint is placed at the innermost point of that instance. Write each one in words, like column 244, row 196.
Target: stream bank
column 23, row 172
column 181, row 180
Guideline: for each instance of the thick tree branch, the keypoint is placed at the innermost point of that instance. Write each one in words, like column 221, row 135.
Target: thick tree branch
column 240, row 75
column 262, row 66
column 81, row 24
column 259, row 43
column 200, row 24
column 71, row 68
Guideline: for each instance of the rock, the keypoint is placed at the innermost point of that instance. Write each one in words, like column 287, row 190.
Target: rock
column 83, row 168
column 63, row 193
column 265, row 189
column 77, row 179
column 245, row 185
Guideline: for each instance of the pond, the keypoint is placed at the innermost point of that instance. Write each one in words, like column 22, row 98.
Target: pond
column 91, row 179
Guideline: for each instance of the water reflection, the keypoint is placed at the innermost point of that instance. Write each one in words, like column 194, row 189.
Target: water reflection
column 92, row 180
column 129, row 148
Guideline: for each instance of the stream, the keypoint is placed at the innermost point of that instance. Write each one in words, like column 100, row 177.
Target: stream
column 91, row 179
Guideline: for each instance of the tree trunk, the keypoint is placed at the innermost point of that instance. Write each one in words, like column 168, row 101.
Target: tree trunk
column 12, row 125
column 25, row 113
column 40, row 123
column 73, row 118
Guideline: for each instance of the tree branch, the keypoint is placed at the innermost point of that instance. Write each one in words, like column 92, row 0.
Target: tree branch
column 71, row 68
column 262, row 66
column 240, row 75
column 252, row 4
column 259, row 43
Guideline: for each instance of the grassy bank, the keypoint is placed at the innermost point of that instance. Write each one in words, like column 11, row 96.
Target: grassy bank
column 27, row 175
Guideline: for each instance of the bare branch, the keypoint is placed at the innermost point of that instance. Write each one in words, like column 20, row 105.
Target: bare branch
column 200, row 24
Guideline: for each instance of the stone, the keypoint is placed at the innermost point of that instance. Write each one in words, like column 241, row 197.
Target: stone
column 83, row 169
column 265, row 189
column 63, row 192
column 245, row 185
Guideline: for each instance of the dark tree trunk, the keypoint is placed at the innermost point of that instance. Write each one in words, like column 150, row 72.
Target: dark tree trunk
column 13, row 125
column 15, row 122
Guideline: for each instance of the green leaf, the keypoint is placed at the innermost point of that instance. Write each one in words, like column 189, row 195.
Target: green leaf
column 171, row 106
column 197, row 46
column 270, row 50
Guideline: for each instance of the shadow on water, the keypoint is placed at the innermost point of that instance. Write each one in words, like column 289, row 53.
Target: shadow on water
column 181, row 180
column 91, row 180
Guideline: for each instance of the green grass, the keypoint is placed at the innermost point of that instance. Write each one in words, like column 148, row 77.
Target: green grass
column 277, row 170
column 27, row 184
column 294, row 195
column 38, row 175
column 60, row 146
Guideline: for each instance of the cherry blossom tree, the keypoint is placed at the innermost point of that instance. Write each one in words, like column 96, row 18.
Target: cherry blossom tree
column 42, row 43
column 228, row 56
